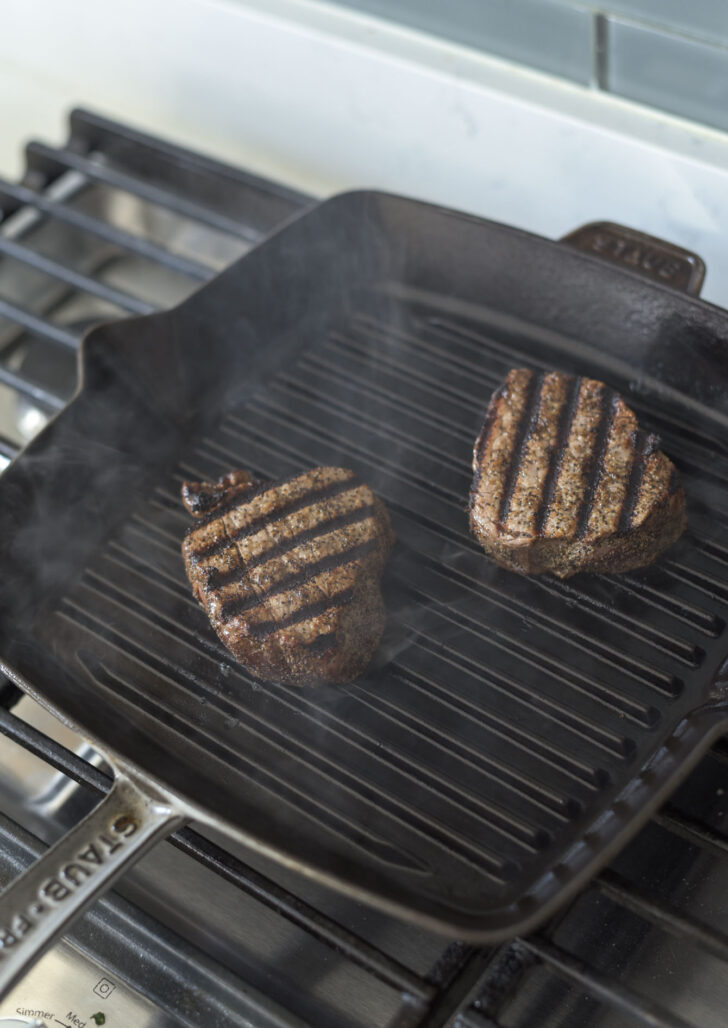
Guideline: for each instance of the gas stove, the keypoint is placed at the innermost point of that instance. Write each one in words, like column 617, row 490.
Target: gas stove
column 115, row 223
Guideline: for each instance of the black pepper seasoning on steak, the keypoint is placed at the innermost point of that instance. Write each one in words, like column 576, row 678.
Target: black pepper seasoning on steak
column 289, row 572
column 566, row 481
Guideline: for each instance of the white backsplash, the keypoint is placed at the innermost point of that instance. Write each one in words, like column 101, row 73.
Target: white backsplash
column 325, row 99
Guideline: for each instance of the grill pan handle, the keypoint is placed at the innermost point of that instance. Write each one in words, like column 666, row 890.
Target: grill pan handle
column 644, row 255
column 43, row 901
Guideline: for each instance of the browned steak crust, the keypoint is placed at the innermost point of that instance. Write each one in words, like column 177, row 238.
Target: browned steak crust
column 566, row 481
column 289, row 572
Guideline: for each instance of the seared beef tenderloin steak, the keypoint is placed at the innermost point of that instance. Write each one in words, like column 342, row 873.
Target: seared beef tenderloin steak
column 289, row 572
column 566, row 481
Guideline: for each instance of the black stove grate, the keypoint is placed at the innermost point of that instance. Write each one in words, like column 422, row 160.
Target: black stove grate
column 580, row 969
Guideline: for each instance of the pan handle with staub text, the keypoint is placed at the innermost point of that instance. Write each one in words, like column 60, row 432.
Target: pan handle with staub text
column 653, row 258
column 38, row 906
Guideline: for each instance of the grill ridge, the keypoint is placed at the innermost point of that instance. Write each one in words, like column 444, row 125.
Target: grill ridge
column 352, row 414
column 403, row 371
column 363, row 837
column 686, row 652
column 532, row 654
column 547, row 799
column 376, row 333
column 644, row 445
column 375, row 460
column 591, row 775
column 356, row 381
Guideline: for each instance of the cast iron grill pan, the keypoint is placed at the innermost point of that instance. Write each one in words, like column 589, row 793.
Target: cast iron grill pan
column 512, row 732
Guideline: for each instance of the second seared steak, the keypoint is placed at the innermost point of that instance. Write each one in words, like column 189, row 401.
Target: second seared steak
column 289, row 572
column 566, row 481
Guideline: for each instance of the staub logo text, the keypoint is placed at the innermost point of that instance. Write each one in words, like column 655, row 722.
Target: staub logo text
column 637, row 254
column 94, row 854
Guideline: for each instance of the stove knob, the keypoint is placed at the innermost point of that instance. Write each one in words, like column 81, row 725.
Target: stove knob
column 20, row 1022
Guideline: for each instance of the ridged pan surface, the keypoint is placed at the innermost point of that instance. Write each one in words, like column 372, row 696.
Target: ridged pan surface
column 512, row 731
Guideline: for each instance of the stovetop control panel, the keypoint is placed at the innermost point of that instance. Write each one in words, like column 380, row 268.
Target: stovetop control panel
column 66, row 989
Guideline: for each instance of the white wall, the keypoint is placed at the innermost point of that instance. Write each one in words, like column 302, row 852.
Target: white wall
column 327, row 99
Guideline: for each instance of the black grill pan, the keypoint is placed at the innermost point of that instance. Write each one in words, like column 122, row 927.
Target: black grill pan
column 513, row 732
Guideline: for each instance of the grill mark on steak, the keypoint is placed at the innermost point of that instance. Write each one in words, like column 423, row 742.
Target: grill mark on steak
column 315, row 496
column 217, row 579
column 352, row 517
column 595, row 467
column 260, row 629
column 322, row 643
column 232, row 608
column 566, row 420
column 255, row 490
column 525, row 427
column 645, row 444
